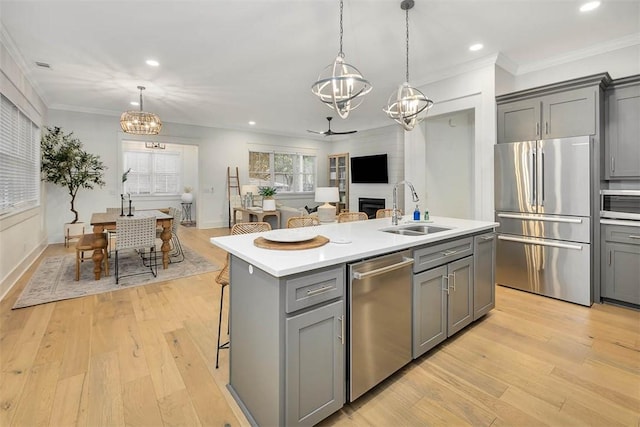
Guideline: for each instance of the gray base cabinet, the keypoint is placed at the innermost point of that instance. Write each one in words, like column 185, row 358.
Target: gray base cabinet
column 484, row 282
column 460, row 295
column 314, row 360
column 442, row 295
column 621, row 263
column 287, row 356
column 622, row 123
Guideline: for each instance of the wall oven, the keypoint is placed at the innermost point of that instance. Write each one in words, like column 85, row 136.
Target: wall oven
column 620, row 205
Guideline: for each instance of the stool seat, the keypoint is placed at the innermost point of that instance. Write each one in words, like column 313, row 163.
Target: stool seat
column 85, row 243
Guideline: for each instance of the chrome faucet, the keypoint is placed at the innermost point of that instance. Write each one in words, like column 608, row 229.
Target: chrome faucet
column 394, row 214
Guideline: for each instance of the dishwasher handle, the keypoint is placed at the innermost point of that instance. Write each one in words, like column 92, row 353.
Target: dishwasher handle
column 361, row 275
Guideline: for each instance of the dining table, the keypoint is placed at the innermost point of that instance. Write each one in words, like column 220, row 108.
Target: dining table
column 102, row 221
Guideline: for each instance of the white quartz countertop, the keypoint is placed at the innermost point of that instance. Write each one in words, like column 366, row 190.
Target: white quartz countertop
column 348, row 242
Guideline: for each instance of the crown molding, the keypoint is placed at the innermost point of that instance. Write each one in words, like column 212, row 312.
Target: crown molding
column 18, row 58
column 458, row 69
column 598, row 49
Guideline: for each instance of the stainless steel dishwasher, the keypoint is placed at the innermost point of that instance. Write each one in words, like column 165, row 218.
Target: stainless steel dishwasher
column 379, row 320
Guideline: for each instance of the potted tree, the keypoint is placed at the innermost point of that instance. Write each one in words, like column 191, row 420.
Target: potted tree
column 268, row 202
column 64, row 162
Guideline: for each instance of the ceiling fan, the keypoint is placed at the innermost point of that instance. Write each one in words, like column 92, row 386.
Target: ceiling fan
column 329, row 132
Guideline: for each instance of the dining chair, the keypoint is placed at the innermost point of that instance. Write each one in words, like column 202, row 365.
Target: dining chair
column 302, row 221
column 85, row 244
column 223, row 276
column 112, row 233
column 138, row 234
column 352, row 216
column 386, row 213
column 176, row 254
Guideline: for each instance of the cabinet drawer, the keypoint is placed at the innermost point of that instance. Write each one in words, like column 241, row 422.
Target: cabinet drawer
column 433, row 256
column 622, row 234
column 311, row 289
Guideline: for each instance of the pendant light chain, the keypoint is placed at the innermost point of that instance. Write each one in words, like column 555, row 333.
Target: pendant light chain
column 141, row 89
column 407, row 22
column 341, row 53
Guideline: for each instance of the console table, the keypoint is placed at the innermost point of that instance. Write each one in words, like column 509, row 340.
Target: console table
column 186, row 213
column 258, row 213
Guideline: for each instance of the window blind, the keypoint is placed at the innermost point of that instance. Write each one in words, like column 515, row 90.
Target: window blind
column 19, row 160
column 153, row 173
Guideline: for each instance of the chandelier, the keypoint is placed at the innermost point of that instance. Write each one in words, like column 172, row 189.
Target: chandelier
column 140, row 122
column 406, row 104
column 340, row 85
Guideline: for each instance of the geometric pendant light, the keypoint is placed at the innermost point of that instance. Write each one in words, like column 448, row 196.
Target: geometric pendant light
column 140, row 122
column 407, row 103
column 340, row 85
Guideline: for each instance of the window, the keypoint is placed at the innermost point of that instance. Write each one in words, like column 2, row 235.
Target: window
column 289, row 173
column 153, row 172
column 19, row 160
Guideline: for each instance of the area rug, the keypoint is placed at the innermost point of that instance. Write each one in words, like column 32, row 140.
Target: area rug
column 54, row 280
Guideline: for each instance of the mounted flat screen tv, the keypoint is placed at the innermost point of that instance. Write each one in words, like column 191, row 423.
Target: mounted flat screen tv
column 369, row 169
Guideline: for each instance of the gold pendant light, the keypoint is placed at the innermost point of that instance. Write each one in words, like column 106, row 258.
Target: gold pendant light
column 140, row 122
column 407, row 103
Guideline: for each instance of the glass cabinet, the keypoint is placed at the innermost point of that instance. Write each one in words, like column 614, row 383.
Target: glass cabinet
column 339, row 177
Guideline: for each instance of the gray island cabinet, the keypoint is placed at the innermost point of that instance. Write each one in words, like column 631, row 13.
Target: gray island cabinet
column 288, row 327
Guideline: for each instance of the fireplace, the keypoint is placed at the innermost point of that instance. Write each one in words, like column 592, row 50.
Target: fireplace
column 370, row 206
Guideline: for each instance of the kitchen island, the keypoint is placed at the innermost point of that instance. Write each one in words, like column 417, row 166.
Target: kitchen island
column 290, row 310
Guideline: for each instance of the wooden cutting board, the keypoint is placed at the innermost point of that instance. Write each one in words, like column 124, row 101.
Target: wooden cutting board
column 317, row 241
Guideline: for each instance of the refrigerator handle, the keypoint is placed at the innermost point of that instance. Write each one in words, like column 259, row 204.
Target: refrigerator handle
column 533, row 177
column 542, row 177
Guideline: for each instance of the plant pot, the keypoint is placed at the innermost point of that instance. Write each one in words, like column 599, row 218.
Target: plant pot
column 187, row 197
column 269, row 205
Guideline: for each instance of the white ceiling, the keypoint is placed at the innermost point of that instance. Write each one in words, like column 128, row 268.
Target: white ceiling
column 223, row 63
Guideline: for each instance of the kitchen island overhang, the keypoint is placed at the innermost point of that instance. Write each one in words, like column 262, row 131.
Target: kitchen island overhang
column 364, row 239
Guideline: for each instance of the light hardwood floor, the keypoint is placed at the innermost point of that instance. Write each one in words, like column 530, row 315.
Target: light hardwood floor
column 146, row 356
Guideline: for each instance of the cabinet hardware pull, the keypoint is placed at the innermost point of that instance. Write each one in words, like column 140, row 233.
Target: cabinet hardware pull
column 447, row 288
column 313, row 292
column 546, row 127
column 541, row 218
column 632, row 236
column 453, row 285
column 358, row 275
column 613, row 164
column 609, row 257
column 537, row 128
column 341, row 337
column 448, row 253
column 488, row 237
column 540, row 243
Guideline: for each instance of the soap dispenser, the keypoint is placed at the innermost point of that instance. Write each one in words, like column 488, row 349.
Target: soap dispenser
column 416, row 214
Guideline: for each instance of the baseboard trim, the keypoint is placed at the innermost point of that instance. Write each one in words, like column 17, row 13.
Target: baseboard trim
column 12, row 278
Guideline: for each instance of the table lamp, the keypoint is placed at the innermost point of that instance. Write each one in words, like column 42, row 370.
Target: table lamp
column 327, row 212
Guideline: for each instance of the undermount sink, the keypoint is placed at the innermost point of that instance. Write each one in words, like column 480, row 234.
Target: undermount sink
column 415, row 229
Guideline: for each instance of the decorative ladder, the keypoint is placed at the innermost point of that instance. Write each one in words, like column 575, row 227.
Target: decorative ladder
column 233, row 182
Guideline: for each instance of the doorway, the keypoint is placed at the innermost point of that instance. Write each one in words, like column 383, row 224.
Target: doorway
column 449, row 169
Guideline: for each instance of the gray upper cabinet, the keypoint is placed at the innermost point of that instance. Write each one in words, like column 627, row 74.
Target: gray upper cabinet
column 554, row 111
column 563, row 114
column 519, row 121
column 622, row 124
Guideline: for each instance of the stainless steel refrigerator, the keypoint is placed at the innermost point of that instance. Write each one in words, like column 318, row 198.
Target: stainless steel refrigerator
column 543, row 205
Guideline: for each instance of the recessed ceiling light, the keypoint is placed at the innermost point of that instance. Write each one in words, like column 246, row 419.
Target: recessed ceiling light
column 475, row 47
column 252, row 123
column 134, row 103
column 589, row 6
column 152, row 62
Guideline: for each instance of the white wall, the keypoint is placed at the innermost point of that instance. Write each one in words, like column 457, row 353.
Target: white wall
column 216, row 150
column 450, row 169
column 387, row 139
column 22, row 235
